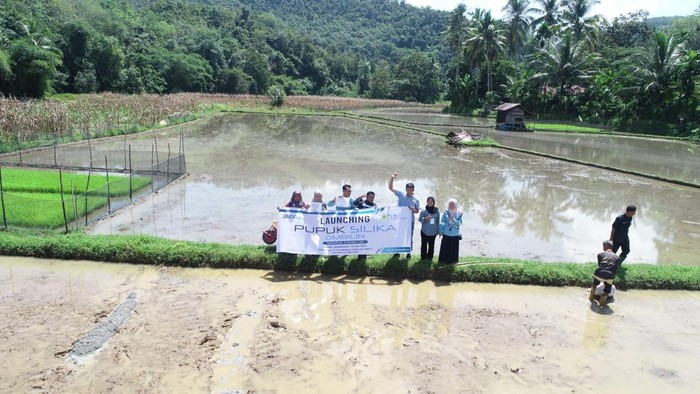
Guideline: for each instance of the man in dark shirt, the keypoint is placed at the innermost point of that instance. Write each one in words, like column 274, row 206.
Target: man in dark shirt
column 619, row 235
column 608, row 263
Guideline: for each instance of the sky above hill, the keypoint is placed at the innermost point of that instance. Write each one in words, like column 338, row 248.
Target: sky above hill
column 608, row 8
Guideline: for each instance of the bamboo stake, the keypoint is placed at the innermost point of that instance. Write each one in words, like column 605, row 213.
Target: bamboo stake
column 109, row 201
column 131, row 196
column 87, row 190
column 2, row 200
column 63, row 200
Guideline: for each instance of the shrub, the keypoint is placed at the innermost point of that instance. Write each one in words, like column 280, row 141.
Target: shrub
column 276, row 95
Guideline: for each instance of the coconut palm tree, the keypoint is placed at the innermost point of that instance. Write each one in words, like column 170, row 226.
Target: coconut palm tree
column 485, row 43
column 657, row 67
column 547, row 24
column 517, row 13
column 563, row 64
column 576, row 19
column 455, row 34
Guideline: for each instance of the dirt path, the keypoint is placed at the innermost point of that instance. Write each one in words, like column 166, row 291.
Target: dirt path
column 253, row 331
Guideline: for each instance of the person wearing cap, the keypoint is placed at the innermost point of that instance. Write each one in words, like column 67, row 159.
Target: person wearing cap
column 608, row 263
column 406, row 200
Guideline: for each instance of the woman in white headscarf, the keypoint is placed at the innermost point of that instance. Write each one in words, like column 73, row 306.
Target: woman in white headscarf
column 449, row 231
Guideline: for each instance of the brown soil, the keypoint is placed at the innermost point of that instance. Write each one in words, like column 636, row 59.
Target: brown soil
column 224, row 331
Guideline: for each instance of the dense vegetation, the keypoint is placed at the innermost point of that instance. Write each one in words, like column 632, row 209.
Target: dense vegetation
column 551, row 55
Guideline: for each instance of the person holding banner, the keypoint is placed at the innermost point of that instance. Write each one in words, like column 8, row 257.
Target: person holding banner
column 296, row 201
column 367, row 202
column 317, row 204
column 344, row 201
column 430, row 224
column 449, row 230
column 406, row 200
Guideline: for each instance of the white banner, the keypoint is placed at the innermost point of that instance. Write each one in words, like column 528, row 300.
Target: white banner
column 338, row 233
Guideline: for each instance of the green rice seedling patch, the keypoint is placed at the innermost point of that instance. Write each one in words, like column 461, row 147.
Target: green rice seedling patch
column 45, row 210
column 48, row 181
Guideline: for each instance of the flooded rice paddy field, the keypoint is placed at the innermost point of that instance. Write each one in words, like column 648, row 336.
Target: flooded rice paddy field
column 243, row 166
column 228, row 331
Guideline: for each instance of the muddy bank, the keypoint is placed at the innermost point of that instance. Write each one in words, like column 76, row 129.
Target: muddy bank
column 201, row 330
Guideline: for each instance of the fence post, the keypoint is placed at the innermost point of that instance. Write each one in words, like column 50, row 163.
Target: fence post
column 153, row 179
column 109, row 201
column 63, row 200
column 157, row 159
column 2, row 200
column 19, row 148
column 87, row 190
column 130, row 177
column 167, row 168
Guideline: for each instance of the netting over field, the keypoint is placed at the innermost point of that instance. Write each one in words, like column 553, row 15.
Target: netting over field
column 69, row 186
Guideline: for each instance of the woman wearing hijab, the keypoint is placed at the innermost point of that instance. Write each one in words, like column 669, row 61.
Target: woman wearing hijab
column 317, row 204
column 296, row 201
column 430, row 224
column 449, row 230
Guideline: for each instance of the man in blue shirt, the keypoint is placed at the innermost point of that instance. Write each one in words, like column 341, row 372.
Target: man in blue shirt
column 619, row 232
column 406, row 200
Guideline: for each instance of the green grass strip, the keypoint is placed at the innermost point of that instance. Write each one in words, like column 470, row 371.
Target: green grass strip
column 141, row 249
column 47, row 181
column 563, row 127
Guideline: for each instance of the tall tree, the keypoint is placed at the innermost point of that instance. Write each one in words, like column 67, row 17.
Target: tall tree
column 655, row 72
column 455, row 35
column 578, row 21
column 548, row 23
column 517, row 14
column 486, row 43
column 563, row 65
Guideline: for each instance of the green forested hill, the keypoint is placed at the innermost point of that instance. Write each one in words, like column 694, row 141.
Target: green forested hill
column 161, row 46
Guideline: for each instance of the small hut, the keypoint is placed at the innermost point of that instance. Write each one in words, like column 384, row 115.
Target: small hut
column 511, row 116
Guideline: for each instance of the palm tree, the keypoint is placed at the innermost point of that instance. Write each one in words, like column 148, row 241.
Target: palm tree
column 486, row 43
column 517, row 14
column 657, row 66
column 563, row 65
column 546, row 25
column 455, row 34
column 576, row 20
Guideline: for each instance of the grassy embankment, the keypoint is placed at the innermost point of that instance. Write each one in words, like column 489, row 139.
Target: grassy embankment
column 33, row 198
column 159, row 251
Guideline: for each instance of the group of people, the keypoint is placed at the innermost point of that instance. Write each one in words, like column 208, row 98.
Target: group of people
column 433, row 224
column 608, row 260
column 448, row 225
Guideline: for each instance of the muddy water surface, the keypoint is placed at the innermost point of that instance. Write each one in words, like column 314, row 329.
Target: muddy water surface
column 516, row 205
column 209, row 331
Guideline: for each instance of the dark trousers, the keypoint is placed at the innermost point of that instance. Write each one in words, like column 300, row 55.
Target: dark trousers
column 427, row 246
column 607, row 286
column 625, row 249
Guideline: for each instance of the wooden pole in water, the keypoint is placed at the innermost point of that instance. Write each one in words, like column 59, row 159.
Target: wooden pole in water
column 152, row 173
column 109, row 201
column 2, row 200
column 89, row 147
column 55, row 163
column 167, row 171
column 63, row 200
column 157, row 159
